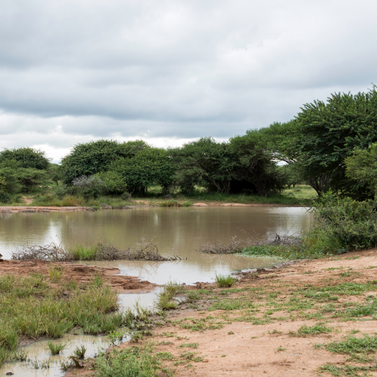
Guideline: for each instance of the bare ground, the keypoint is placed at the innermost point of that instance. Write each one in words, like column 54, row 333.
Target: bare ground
column 249, row 329
column 80, row 273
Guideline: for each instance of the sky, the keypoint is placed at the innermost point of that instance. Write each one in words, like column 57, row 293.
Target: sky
column 172, row 71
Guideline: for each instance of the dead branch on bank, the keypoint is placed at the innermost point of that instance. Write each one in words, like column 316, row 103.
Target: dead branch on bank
column 143, row 250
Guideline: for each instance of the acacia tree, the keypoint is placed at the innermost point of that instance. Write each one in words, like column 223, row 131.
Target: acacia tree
column 362, row 167
column 151, row 166
column 330, row 132
column 205, row 163
column 95, row 157
column 26, row 157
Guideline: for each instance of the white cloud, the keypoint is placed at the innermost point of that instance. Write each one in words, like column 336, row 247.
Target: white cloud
column 75, row 70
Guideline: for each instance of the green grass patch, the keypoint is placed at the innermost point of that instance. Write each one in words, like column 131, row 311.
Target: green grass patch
column 225, row 281
column 318, row 328
column 31, row 308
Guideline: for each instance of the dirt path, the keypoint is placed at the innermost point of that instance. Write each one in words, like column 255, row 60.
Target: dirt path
column 269, row 323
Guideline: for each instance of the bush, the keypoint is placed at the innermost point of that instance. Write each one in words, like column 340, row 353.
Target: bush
column 113, row 183
column 89, row 187
column 26, row 158
column 352, row 223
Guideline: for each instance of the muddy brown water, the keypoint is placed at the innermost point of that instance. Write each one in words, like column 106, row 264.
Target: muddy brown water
column 176, row 231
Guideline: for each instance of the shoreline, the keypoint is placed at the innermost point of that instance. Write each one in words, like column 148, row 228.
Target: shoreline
column 269, row 322
column 41, row 209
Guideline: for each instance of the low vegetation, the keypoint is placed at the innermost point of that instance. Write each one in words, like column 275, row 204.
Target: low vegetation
column 36, row 306
column 142, row 250
column 225, row 281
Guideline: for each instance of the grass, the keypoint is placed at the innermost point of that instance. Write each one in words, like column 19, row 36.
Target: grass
column 225, row 281
column 82, row 252
column 79, row 352
column 129, row 362
column 300, row 195
column 316, row 329
column 355, row 347
column 31, row 307
column 164, row 298
column 55, row 349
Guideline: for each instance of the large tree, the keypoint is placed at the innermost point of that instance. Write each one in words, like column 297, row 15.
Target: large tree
column 330, row 132
column 26, row 157
column 151, row 166
column 95, row 157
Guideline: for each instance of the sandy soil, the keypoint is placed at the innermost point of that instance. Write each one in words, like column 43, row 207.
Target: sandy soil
column 79, row 273
column 243, row 348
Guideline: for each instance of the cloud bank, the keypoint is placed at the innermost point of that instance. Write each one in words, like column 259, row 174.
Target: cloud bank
column 174, row 70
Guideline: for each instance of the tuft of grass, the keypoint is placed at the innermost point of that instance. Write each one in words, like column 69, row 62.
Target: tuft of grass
column 357, row 348
column 318, row 328
column 189, row 345
column 129, row 362
column 224, row 281
column 164, row 298
column 55, row 349
column 79, row 352
column 55, row 273
column 32, row 308
column 81, row 252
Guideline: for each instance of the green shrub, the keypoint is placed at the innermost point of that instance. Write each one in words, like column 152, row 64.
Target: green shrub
column 129, row 362
column 224, row 281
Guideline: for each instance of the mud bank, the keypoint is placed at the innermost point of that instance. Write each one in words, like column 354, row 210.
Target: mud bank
column 79, row 273
column 270, row 321
column 140, row 203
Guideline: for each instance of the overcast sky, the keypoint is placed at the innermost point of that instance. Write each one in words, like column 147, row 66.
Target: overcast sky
column 171, row 71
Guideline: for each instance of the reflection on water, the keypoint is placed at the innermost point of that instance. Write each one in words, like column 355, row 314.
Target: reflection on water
column 177, row 232
column 39, row 352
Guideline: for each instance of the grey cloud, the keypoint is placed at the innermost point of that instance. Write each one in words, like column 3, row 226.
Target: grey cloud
column 175, row 68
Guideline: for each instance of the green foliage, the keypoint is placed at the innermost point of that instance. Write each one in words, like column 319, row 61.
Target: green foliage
column 330, row 132
column 152, row 166
column 362, row 166
column 129, row 362
column 164, row 298
column 233, row 167
column 224, row 281
column 31, row 308
column 113, row 184
column 56, row 348
column 26, row 158
column 15, row 179
column 352, row 223
column 318, row 328
column 95, row 157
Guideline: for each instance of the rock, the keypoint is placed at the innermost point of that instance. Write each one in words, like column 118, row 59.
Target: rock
column 9, row 374
column 168, row 196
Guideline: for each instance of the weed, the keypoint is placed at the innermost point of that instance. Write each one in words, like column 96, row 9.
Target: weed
column 357, row 348
column 79, row 352
column 225, row 281
column 55, row 273
column 55, row 349
column 128, row 362
column 164, row 298
column 190, row 345
column 280, row 349
column 316, row 329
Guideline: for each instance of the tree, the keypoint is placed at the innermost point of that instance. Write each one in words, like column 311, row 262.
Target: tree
column 330, row 132
column 205, row 163
column 233, row 167
column 95, row 157
column 151, row 166
column 26, row 157
column 362, row 167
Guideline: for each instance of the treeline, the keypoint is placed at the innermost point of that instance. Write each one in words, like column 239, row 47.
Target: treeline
column 329, row 145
